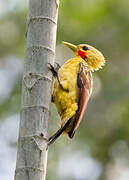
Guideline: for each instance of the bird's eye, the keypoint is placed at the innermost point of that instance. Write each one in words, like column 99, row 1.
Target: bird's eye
column 85, row 48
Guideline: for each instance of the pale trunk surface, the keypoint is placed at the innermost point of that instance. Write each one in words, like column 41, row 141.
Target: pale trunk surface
column 36, row 90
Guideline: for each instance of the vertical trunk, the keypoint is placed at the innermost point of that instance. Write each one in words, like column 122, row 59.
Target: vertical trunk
column 36, row 90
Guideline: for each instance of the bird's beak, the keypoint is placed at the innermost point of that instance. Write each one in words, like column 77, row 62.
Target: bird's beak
column 71, row 46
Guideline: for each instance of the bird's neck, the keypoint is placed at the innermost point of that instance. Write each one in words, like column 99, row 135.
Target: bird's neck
column 75, row 62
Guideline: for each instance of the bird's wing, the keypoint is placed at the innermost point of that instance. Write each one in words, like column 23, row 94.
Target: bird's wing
column 84, row 88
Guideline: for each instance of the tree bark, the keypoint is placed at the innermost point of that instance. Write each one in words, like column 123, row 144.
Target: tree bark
column 36, row 90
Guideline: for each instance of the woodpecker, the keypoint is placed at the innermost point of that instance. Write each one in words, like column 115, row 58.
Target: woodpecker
column 72, row 86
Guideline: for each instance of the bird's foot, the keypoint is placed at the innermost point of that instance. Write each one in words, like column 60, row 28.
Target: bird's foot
column 53, row 70
column 55, row 74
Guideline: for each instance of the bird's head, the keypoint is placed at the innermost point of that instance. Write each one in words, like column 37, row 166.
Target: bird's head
column 94, row 58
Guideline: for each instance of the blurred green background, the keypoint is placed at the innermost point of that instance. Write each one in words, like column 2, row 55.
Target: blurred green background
column 100, row 148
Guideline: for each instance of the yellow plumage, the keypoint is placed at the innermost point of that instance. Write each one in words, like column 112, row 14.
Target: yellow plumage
column 72, row 87
column 66, row 102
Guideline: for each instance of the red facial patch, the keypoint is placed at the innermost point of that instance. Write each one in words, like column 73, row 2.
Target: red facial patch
column 82, row 54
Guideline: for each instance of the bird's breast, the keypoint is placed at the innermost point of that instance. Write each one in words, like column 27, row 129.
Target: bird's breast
column 66, row 101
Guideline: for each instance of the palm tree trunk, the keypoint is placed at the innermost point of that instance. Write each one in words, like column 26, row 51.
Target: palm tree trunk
column 36, row 90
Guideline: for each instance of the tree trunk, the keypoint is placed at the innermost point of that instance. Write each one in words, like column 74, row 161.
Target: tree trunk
column 36, row 90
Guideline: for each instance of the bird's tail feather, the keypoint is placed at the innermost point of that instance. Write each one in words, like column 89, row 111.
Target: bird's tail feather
column 58, row 133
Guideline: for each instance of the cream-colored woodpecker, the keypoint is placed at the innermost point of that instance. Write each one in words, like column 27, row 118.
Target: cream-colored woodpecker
column 72, row 86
